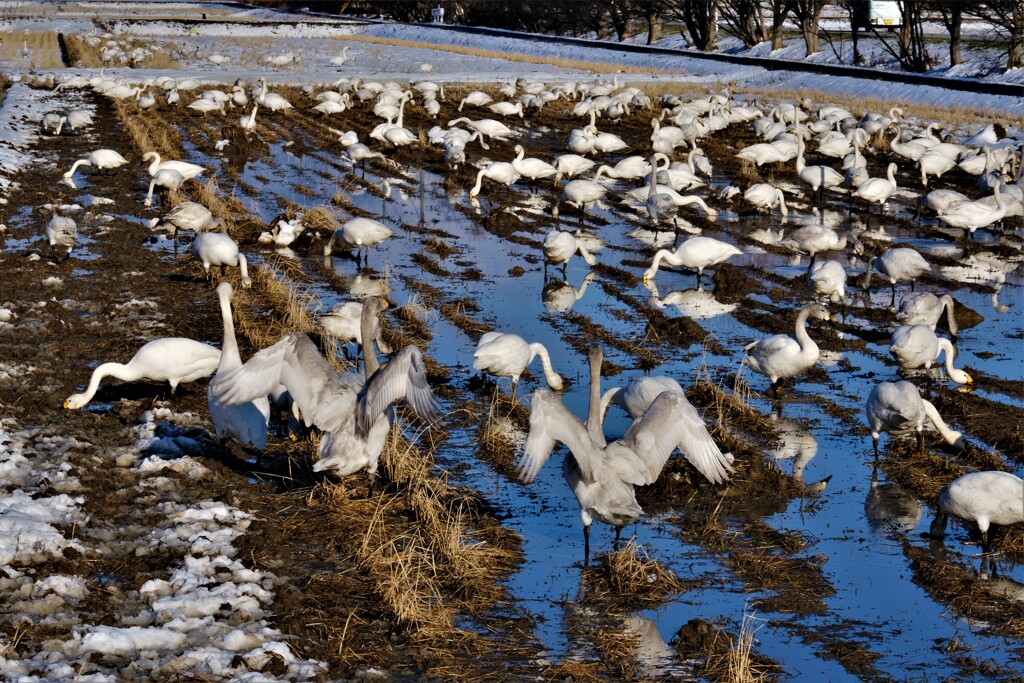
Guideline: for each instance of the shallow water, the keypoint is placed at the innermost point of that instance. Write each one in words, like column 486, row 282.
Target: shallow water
column 855, row 538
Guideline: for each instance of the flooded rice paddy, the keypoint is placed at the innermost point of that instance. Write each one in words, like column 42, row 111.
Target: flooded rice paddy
column 841, row 583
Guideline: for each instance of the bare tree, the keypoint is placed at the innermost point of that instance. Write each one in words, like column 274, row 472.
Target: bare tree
column 745, row 19
column 913, row 52
column 1008, row 16
column 952, row 13
column 700, row 18
column 780, row 10
column 808, row 14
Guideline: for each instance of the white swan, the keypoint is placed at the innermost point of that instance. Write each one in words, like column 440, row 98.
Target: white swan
column 828, row 279
column 167, row 178
column 602, row 476
column 811, row 239
column 901, row 263
column 820, row 178
column 175, row 360
column 507, row 108
column 766, row 196
column 340, row 59
column 934, row 164
column 486, row 127
column 352, row 412
column 695, row 444
column 248, row 122
column 531, row 167
column 61, row 231
column 878, row 190
column 628, row 168
column 105, row 159
column 897, row 408
column 912, row 150
column 924, row 308
column 977, row 214
column 246, row 422
column 502, row 172
column 186, row 169
column 580, row 193
column 218, row 249
column 190, row 216
column 571, row 165
column 503, row 354
column 271, row 101
column 476, row 98
column 696, row 252
column 917, row 346
column 344, row 322
column 560, row 246
column 362, row 233
column 780, row 355
column 660, row 205
column 985, row 498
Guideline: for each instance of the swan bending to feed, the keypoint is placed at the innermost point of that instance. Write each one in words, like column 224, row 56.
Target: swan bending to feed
column 780, row 355
column 984, row 498
column 925, row 308
column 507, row 355
column 352, row 409
column 175, row 360
column 100, row 158
column 246, row 422
column 218, row 249
column 560, row 246
column 602, row 476
column 695, row 444
column 917, row 346
column 696, row 252
column 186, row 169
column 897, row 408
column 361, row 233
column 61, row 231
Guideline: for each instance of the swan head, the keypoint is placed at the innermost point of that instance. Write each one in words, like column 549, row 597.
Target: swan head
column 75, row 401
column 960, row 377
column 818, row 311
column 648, row 275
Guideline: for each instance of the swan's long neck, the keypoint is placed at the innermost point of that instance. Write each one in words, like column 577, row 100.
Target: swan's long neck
column 613, row 395
column 594, row 410
column 947, row 305
column 243, row 267
column 782, row 202
column 654, row 177
column 950, row 436
column 121, row 371
column 230, row 358
column 74, row 166
column 656, row 263
column 149, row 195
column 891, row 174
column 479, row 182
column 587, row 256
column 538, row 349
column 807, row 345
column 370, row 361
column 955, row 374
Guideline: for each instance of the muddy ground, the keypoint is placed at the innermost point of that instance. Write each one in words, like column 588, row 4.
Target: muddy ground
column 331, row 601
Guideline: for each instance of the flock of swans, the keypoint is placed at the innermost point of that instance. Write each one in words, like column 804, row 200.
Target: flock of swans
column 354, row 410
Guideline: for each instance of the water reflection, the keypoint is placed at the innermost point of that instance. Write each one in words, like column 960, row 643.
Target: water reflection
column 889, row 508
column 693, row 303
column 654, row 658
column 795, row 443
column 559, row 296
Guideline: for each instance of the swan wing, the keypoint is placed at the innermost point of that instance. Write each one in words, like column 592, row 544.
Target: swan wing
column 551, row 422
column 404, row 376
column 323, row 397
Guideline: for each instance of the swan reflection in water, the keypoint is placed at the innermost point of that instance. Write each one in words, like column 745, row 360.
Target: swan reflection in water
column 889, row 508
column 654, row 658
column 559, row 296
column 693, row 303
column 795, row 443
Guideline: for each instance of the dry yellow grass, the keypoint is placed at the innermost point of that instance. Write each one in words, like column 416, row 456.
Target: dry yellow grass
column 33, row 49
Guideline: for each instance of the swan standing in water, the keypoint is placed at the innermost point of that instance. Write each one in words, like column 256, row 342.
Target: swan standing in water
column 560, row 246
column 985, row 498
column 780, row 355
column 766, row 196
column 901, row 263
column 172, row 359
column 660, row 205
column 61, row 231
column 502, row 172
column 105, row 159
column 917, row 346
column 897, row 408
column 246, row 422
column 352, row 410
column 696, row 252
column 878, row 190
column 503, row 354
column 924, row 308
column 343, row 322
column 190, row 216
column 218, row 249
column 602, row 476
column 362, row 233
column 167, row 178
column 696, row 443
column 186, row 169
